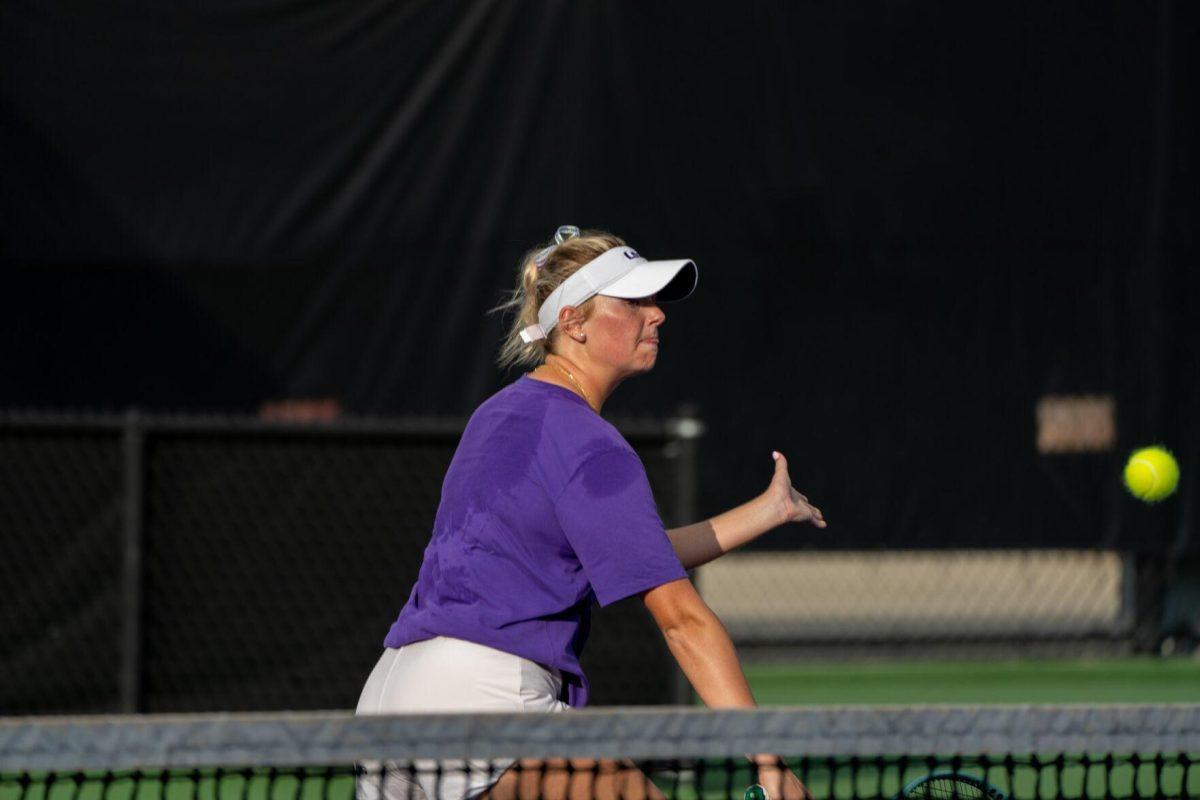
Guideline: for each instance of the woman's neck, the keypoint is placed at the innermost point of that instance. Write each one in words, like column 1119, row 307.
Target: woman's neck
column 576, row 377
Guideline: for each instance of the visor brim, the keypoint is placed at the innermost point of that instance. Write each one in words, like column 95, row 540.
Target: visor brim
column 669, row 280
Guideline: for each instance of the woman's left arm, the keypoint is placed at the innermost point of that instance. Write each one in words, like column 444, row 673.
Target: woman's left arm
column 701, row 542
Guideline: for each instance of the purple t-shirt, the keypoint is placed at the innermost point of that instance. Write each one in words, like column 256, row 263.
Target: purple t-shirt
column 545, row 509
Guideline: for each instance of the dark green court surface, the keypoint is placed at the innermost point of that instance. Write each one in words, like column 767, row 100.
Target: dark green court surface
column 1129, row 680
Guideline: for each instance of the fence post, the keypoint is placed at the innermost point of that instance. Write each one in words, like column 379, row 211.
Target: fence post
column 133, row 440
column 687, row 430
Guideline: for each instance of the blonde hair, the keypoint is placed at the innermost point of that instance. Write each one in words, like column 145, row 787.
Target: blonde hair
column 535, row 282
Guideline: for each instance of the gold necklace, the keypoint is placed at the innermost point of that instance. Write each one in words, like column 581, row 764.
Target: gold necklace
column 571, row 378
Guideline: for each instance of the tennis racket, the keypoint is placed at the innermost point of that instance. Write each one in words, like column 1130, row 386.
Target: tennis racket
column 949, row 786
column 757, row 792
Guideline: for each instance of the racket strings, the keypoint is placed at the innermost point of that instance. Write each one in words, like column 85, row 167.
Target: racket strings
column 953, row 787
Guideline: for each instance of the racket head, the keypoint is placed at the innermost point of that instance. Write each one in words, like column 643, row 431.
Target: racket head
column 950, row 786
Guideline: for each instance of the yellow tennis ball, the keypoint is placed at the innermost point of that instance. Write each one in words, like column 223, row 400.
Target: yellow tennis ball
column 1151, row 474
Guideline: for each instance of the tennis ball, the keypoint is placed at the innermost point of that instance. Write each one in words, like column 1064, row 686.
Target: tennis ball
column 1151, row 474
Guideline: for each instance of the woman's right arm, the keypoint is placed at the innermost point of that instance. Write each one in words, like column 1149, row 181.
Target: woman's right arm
column 701, row 542
column 700, row 644
column 706, row 655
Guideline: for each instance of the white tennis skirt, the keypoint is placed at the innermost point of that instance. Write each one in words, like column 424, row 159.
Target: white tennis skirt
column 448, row 675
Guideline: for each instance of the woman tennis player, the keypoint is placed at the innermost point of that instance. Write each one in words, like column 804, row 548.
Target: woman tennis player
column 546, row 509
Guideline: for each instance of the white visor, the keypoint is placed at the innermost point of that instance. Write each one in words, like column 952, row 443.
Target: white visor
column 619, row 272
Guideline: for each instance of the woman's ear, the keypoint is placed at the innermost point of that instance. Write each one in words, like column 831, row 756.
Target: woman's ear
column 571, row 324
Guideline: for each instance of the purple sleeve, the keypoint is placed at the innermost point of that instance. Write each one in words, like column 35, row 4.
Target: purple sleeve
column 608, row 514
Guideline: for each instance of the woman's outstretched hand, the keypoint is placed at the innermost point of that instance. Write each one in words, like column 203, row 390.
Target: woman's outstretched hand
column 791, row 506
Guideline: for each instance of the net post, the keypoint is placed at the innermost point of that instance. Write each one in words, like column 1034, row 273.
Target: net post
column 133, row 447
column 686, row 430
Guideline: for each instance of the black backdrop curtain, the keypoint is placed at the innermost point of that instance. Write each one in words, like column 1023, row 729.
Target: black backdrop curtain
column 912, row 220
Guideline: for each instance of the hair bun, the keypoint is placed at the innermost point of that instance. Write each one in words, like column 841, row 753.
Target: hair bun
column 563, row 233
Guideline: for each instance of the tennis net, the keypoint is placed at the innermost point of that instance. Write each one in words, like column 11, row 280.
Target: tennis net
column 1134, row 751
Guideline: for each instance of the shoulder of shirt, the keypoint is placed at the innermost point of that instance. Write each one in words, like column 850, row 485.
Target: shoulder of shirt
column 576, row 408
column 589, row 420
column 581, row 419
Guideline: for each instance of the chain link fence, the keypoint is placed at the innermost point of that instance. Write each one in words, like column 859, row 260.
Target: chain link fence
column 178, row 564
column 192, row 564
column 60, row 568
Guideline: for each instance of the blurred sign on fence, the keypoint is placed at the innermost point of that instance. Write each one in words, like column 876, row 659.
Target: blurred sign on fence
column 1076, row 423
column 1011, row 600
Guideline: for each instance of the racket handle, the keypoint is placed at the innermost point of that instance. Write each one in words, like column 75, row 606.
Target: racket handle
column 756, row 792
